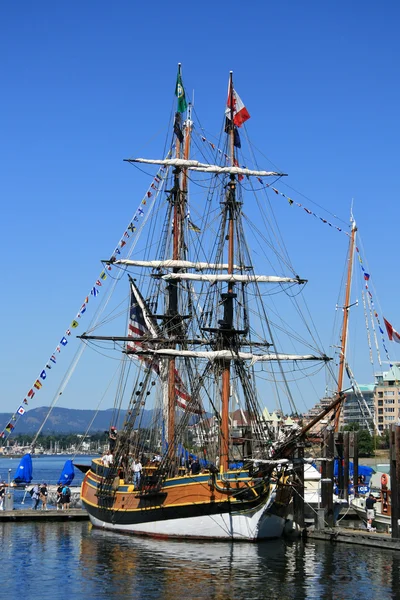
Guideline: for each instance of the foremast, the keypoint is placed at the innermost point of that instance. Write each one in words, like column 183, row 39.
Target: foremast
column 179, row 199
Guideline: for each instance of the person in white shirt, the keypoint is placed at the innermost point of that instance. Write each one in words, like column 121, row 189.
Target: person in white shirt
column 137, row 471
column 107, row 459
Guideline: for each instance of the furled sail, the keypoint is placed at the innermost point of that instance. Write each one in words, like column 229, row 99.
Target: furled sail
column 231, row 355
column 23, row 474
column 67, row 474
column 195, row 165
column 233, row 278
column 175, row 264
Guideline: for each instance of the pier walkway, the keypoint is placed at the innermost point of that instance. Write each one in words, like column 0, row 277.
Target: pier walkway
column 72, row 514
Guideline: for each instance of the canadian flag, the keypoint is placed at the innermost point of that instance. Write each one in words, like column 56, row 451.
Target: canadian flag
column 392, row 333
column 240, row 112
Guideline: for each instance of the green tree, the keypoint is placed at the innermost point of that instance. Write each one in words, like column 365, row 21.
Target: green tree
column 365, row 443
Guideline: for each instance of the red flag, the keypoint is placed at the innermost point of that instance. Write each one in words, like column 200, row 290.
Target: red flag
column 392, row 333
column 240, row 112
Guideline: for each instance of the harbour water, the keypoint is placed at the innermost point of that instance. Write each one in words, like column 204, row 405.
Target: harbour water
column 71, row 559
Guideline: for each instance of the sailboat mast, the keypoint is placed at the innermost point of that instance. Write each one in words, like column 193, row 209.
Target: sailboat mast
column 228, row 297
column 346, row 308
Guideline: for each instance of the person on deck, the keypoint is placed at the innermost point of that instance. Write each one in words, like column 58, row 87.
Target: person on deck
column 112, row 439
column 369, row 505
column 137, row 471
column 195, row 468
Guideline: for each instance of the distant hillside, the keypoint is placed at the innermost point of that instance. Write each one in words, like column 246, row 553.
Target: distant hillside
column 67, row 420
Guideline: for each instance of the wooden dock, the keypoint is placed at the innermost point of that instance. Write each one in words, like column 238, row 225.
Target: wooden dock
column 355, row 536
column 51, row 515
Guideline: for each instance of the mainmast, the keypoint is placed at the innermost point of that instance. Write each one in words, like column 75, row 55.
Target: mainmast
column 346, row 308
column 226, row 328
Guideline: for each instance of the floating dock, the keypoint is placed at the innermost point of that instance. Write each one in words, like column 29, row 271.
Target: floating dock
column 72, row 514
column 355, row 536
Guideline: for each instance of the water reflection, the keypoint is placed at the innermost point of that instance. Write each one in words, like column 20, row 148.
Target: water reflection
column 58, row 559
column 174, row 569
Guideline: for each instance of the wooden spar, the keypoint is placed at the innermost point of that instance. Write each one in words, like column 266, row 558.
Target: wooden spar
column 173, row 298
column 180, row 191
column 342, row 360
column 332, row 405
column 226, row 370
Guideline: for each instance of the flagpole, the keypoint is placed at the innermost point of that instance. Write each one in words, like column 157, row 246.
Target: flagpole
column 232, row 129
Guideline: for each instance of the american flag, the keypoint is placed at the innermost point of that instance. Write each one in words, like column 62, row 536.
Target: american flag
column 137, row 327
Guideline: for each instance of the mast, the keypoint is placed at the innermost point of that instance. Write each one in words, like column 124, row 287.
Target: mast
column 346, row 309
column 227, row 298
column 179, row 200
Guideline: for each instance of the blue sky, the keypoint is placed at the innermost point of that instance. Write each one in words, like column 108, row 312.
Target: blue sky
column 85, row 85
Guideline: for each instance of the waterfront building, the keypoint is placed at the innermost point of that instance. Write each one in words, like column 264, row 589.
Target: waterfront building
column 387, row 397
column 355, row 411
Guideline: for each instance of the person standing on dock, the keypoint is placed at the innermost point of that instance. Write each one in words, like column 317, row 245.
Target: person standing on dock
column 43, row 495
column 36, row 496
column 66, row 497
column 2, row 495
column 369, row 505
column 59, row 497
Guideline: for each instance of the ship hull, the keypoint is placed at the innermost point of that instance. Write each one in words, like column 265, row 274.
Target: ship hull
column 188, row 507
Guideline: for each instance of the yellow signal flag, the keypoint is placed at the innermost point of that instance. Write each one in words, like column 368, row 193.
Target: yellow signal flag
column 74, row 324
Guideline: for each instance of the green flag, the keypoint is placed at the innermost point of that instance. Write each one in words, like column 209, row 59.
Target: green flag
column 180, row 94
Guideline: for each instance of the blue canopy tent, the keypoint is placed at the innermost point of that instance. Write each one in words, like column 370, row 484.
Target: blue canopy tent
column 23, row 474
column 67, row 474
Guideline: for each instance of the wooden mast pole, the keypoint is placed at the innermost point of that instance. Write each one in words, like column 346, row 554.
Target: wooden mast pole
column 228, row 298
column 346, row 308
column 178, row 216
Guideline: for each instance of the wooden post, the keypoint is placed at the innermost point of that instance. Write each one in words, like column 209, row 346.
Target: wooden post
column 327, row 500
column 394, row 479
column 339, row 454
column 353, row 454
column 346, row 466
column 298, row 497
column 327, row 478
column 330, row 453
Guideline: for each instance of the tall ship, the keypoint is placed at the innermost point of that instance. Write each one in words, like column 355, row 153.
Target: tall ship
column 196, row 454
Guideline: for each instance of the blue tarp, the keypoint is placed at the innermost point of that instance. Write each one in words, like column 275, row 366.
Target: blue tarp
column 67, row 474
column 362, row 470
column 23, row 474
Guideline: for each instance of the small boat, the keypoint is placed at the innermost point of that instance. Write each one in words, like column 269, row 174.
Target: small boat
column 199, row 346
column 380, row 488
column 312, row 496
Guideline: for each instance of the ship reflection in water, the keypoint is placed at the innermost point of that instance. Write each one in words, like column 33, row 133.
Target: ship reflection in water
column 172, row 570
column 59, row 559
